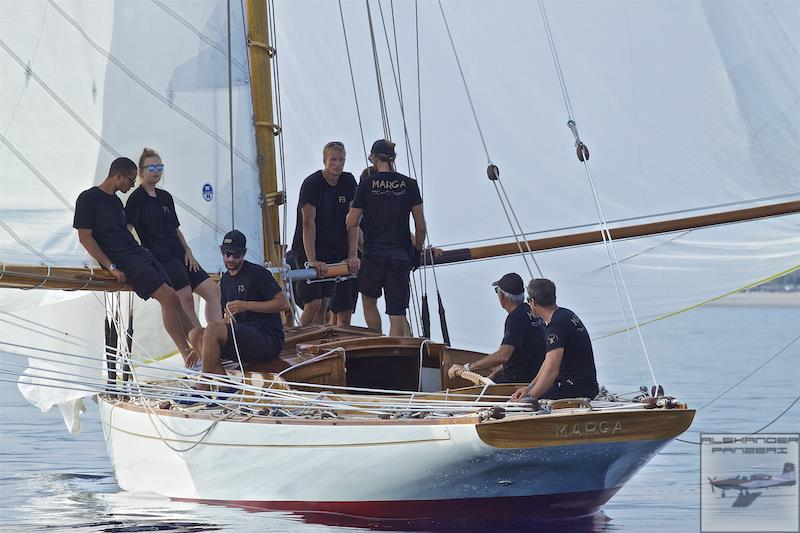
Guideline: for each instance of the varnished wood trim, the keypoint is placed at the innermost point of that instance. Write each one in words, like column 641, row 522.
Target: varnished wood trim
column 626, row 232
column 585, row 428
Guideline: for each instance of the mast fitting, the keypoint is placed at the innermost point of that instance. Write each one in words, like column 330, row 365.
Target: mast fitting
column 581, row 150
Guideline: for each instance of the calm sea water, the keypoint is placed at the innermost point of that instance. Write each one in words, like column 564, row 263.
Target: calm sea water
column 52, row 481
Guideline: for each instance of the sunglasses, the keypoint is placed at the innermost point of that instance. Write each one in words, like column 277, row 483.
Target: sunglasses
column 334, row 143
column 132, row 179
column 155, row 168
column 234, row 255
column 497, row 290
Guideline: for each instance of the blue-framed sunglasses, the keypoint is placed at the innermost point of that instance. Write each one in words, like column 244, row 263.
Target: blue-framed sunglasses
column 155, row 168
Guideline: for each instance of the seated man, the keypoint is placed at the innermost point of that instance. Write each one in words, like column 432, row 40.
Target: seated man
column 251, row 331
column 568, row 370
column 521, row 351
column 103, row 231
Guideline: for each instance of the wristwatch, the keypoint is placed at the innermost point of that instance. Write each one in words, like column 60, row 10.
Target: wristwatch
column 111, row 267
column 466, row 367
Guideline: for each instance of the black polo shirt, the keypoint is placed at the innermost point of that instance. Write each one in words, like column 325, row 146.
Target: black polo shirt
column 566, row 331
column 332, row 204
column 253, row 283
column 156, row 222
column 525, row 332
column 386, row 199
column 104, row 215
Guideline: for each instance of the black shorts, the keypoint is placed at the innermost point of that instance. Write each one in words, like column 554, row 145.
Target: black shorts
column 345, row 296
column 306, row 292
column 255, row 345
column 180, row 276
column 567, row 388
column 390, row 275
column 143, row 271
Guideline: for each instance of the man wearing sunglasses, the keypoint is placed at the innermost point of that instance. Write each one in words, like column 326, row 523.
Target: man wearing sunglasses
column 321, row 236
column 521, row 351
column 568, row 370
column 252, row 301
column 103, row 231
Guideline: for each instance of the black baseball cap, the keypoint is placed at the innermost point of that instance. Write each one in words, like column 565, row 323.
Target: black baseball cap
column 383, row 148
column 234, row 241
column 511, row 283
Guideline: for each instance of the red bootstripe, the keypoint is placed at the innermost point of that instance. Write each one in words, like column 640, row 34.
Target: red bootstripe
column 561, row 505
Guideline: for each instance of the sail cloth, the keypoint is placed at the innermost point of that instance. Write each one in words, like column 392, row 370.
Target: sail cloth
column 682, row 104
column 85, row 82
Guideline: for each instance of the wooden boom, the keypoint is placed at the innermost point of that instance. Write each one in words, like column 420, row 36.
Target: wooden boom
column 97, row 279
column 624, row 232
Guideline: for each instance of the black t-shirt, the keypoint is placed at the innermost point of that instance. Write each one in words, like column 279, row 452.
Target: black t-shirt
column 387, row 199
column 104, row 215
column 156, row 222
column 332, row 205
column 566, row 330
column 525, row 332
column 253, row 283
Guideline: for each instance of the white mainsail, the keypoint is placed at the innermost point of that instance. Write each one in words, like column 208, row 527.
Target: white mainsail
column 683, row 105
column 84, row 83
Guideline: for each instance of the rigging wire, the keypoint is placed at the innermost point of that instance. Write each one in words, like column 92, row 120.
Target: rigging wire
column 353, row 82
column 494, row 175
column 230, row 112
column 273, row 35
column 605, row 233
column 382, row 101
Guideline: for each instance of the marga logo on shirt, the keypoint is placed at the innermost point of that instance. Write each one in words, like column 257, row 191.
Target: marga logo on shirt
column 389, row 184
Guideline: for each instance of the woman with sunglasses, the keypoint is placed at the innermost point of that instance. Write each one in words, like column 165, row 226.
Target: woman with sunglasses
column 151, row 211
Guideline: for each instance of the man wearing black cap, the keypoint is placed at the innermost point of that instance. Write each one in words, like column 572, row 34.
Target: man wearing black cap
column 521, row 351
column 384, row 200
column 103, row 231
column 568, row 370
column 252, row 301
column 320, row 235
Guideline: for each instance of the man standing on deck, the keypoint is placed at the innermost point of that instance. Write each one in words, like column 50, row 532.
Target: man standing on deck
column 320, row 235
column 521, row 352
column 385, row 200
column 252, row 302
column 568, row 370
column 103, row 231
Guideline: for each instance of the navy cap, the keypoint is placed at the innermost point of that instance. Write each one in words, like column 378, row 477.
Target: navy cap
column 234, row 241
column 384, row 148
column 511, row 283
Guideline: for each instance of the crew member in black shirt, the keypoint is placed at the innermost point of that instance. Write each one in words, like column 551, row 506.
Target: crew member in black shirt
column 251, row 331
column 151, row 211
column 521, row 351
column 320, row 235
column 568, row 370
column 103, row 231
column 385, row 200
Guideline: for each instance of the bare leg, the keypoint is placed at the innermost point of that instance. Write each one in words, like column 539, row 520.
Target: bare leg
column 187, row 304
column 322, row 314
column 343, row 318
column 371, row 313
column 398, row 326
column 196, row 340
column 209, row 291
column 175, row 320
column 310, row 311
column 214, row 338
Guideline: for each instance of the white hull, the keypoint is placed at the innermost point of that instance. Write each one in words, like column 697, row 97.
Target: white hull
column 318, row 465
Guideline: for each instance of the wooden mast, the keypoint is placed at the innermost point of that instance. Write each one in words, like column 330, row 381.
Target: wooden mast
column 266, row 129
